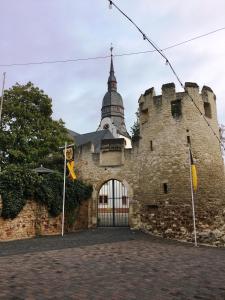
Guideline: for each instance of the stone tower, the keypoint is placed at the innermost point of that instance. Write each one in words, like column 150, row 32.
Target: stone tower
column 156, row 170
column 169, row 125
column 112, row 112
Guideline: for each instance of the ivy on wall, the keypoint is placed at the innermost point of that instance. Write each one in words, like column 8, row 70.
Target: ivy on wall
column 18, row 184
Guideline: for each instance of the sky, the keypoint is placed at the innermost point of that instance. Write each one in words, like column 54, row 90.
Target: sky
column 48, row 30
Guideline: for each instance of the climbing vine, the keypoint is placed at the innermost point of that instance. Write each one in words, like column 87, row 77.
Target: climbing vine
column 18, row 184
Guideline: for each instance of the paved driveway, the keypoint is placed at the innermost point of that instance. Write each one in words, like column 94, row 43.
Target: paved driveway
column 110, row 264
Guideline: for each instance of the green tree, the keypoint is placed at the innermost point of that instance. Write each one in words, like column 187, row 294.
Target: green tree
column 28, row 134
column 18, row 184
column 135, row 129
column 30, row 137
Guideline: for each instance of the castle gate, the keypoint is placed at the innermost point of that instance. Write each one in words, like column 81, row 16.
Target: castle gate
column 113, row 204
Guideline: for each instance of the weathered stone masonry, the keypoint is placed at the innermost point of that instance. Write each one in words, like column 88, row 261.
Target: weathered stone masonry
column 34, row 220
column 156, row 170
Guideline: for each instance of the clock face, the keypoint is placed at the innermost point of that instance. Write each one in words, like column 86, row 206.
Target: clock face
column 106, row 126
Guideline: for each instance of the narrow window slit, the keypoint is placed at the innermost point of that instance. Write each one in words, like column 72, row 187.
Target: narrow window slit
column 165, row 188
column 207, row 108
column 151, row 145
column 188, row 139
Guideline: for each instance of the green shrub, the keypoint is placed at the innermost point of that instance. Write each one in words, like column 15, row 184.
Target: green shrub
column 18, row 184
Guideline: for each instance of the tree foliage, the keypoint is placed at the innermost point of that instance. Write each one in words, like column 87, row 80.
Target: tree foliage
column 135, row 129
column 30, row 137
column 17, row 184
column 28, row 133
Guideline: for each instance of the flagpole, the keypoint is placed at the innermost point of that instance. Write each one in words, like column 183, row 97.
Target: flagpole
column 64, row 190
column 1, row 106
column 192, row 199
column 2, row 98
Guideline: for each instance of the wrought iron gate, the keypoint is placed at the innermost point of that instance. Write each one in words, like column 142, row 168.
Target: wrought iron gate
column 113, row 204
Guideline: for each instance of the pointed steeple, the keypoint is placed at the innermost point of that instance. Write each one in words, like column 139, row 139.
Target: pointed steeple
column 112, row 83
column 112, row 116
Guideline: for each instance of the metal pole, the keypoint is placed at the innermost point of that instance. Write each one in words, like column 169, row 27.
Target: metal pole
column 64, row 190
column 2, row 98
column 1, row 105
column 192, row 199
column 113, row 200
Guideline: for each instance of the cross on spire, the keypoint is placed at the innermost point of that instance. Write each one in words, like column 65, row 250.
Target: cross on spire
column 112, row 83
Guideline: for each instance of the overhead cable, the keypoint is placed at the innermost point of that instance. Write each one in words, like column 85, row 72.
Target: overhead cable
column 107, row 56
column 160, row 51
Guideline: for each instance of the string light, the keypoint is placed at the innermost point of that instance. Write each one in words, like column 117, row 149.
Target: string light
column 171, row 67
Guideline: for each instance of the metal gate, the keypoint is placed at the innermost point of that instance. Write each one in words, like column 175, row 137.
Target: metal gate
column 113, row 204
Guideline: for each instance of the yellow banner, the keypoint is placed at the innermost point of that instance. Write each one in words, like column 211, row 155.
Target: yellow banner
column 70, row 166
column 194, row 177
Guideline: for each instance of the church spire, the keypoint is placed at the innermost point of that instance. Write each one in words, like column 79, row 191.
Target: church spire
column 112, row 112
column 112, row 83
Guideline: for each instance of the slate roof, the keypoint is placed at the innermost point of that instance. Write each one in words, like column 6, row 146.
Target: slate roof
column 92, row 137
column 112, row 98
column 72, row 133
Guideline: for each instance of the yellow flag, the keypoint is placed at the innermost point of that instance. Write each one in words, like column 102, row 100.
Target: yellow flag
column 70, row 166
column 193, row 173
column 194, row 177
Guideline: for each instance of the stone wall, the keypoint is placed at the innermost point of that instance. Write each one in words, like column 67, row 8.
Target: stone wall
column 156, row 171
column 168, row 163
column 91, row 169
column 35, row 220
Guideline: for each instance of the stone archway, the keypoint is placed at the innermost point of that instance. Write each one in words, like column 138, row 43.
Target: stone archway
column 134, row 217
column 113, row 204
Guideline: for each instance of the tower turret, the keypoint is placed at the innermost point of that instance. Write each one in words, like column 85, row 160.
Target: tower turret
column 112, row 112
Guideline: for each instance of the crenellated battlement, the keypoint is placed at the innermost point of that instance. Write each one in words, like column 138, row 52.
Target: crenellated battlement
column 178, row 103
column 171, row 88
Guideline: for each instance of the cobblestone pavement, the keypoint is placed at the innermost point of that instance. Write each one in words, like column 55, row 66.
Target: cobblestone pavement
column 113, row 264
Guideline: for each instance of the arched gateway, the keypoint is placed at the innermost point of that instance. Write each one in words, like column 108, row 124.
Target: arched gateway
column 113, row 204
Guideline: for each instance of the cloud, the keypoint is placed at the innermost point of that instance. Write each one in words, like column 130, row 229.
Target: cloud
column 50, row 30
